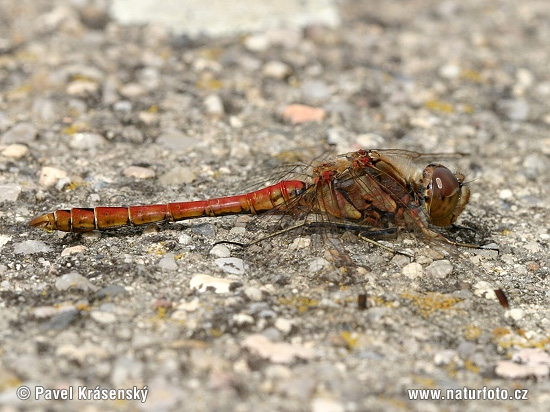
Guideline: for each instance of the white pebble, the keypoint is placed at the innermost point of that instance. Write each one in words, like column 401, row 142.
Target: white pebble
column 232, row 265
column 368, row 140
column 185, row 239
column 515, row 314
column 9, row 192
column 243, row 319
column 439, row 269
column 203, row 282
column 412, row 270
column 257, row 43
column 300, row 243
column 86, row 141
column 103, row 317
column 3, row 240
column 138, row 172
column 177, row 176
column 15, row 151
column 73, row 250
column 325, row 404
column 30, row 246
column 20, row 133
column 485, row 290
column 50, row 175
column 82, row 88
column 253, row 293
column 220, row 251
column 167, row 262
column 214, row 105
column 283, row 325
column 318, row 264
column 505, row 194
column 76, row 281
column 276, row 69
column 449, row 71
column 445, row 357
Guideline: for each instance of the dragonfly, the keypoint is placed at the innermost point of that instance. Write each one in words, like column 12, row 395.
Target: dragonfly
column 366, row 190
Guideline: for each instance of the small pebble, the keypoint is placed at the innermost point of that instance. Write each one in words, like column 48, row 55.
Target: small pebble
column 253, row 293
column 445, row 357
column 526, row 363
column 131, row 91
column 535, row 165
column 439, row 269
column 232, row 265
column 300, row 243
column 82, row 88
column 449, row 71
column 42, row 312
column 74, row 280
column 50, row 175
column 45, row 111
column 276, row 352
column 185, row 239
column 30, row 246
column 412, row 270
column 133, row 134
column 370, row 140
column 9, row 192
column 203, row 282
column 61, row 321
column 465, row 349
column 175, row 140
column 532, row 246
column 257, row 43
column 103, row 317
column 276, row 69
column 20, row 133
column 110, row 291
column 205, row 229
column 168, row 262
column 86, row 141
column 515, row 314
column 73, row 250
column 15, row 151
column 326, row 404
column 299, row 113
column 283, row 325
column 3, row 240
column 505, row 194
column 318, row 264
column 243, row 319
column 485, row 290
column 514, row 109
column 138, row 172
column 220, row 251
column 177, row 176
column 316, row 90
column 214, row 105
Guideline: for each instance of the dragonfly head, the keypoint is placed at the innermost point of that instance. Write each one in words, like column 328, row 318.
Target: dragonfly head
column 445, row 195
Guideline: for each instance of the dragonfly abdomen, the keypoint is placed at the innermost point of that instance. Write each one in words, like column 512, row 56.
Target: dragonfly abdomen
column 102, row 218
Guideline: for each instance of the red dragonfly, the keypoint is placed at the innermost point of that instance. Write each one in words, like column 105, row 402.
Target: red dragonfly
column 370, row 189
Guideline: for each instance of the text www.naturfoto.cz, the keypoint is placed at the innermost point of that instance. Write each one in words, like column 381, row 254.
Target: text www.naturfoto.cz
column 468, row 394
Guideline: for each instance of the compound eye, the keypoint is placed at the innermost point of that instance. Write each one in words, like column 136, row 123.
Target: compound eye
column 443, row 195
column 444, row 183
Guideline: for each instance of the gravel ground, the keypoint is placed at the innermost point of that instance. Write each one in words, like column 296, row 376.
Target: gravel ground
column 92, row 113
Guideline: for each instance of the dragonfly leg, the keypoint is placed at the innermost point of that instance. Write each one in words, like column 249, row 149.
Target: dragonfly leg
column 365, row 238
column 461, row 227
column 261, row 239
column 436, row 236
